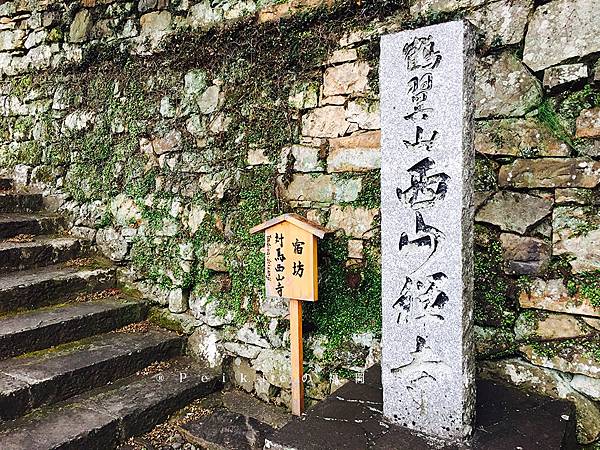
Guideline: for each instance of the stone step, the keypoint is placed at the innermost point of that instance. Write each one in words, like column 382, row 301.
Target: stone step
column 47, row 327
column 40, row 251
column 6, row 184
column 31, row 289
column 20, row 202
column 14, row 224
column 102, row 418
column 49, row 376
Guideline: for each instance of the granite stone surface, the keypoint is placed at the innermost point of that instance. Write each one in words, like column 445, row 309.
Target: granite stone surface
column 427, row 84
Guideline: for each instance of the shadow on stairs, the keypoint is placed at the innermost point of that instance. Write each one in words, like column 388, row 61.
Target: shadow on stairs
column 80, row 368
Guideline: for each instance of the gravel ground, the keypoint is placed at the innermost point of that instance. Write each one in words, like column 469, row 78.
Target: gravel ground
column 166, row 436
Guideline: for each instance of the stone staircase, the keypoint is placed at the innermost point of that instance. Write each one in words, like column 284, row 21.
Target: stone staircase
column 80, row 368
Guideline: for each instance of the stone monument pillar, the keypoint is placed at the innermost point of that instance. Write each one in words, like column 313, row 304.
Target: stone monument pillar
column 427, row 84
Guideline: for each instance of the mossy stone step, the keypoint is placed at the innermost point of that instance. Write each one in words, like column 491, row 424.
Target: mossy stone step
column 43, row 328
column 49, row 376
column 102, row 418
column 39, row 252
column 14, row 224
column 30, row 289
column 20, row 202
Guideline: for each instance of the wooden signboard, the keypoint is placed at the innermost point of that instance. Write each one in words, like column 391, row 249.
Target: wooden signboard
column 291, row 272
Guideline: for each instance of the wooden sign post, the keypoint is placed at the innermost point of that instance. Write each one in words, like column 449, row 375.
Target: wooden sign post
column 291, row 272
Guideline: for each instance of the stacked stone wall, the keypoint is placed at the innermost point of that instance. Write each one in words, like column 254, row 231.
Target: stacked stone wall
column 167, row 129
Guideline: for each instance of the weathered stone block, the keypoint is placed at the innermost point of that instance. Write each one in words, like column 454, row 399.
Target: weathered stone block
column 427, row 7
column 549, row 326
column 517, row 137
column 573, row 360
column 426, row 85
column 11, row 39
column 209, row 100
column 588, row 123
column 257, row 157
column 577, row 234
column 321, row 188
column 81, row 26
column 249, row 335
column 168, row 143
column 328, row 121
column 155, row 22
column 346, row 79
column 502, row 22
column 561, row 30
column 587, row 385
column 112, row 244
column 551, row 383
column 552, row 295
column 524, row 255
column 355, row 248
column 356, row 222
column 178, row 301
column 514, row 211
column 504, row 87
column 244, row 375
column 356, row 153
column 305, row 159
column 551, row 173
column 275, row 366
column 364, row 114
column 215, row 258
column 243, row 350
column 555, row 77
column 575, row 195
column 205, row 344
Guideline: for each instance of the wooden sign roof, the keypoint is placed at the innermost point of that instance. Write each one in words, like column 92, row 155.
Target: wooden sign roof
column 295, row 219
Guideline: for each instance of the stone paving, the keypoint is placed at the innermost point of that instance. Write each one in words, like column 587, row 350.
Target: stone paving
column 506, row 419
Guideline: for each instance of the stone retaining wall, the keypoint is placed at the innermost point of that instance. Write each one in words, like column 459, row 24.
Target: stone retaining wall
column 165, row 137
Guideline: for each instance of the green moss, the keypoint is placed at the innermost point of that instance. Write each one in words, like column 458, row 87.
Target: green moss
column 586, row 346
column 370, row 194
column 258, row 66
column 493, row 304
column 349, row 297
column 163, row 318
column 524, row 283
column 559, row 114
column 245, row 260
column 23, row 125
column 573, row 103
column 55, row 35
column 159, row 260
column 44, row 174
column 21, row 85
column 549, row 117
column 29, row 152
column 587, row 285
column 486, row 178
column 58, row 349
column 559, row 267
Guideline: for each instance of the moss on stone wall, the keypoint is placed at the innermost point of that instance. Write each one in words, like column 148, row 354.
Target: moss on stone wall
column 492, row 292
column 257, row 67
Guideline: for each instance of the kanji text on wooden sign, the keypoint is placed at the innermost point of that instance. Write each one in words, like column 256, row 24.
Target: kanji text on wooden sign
column 291, row 272
column 291, row 257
